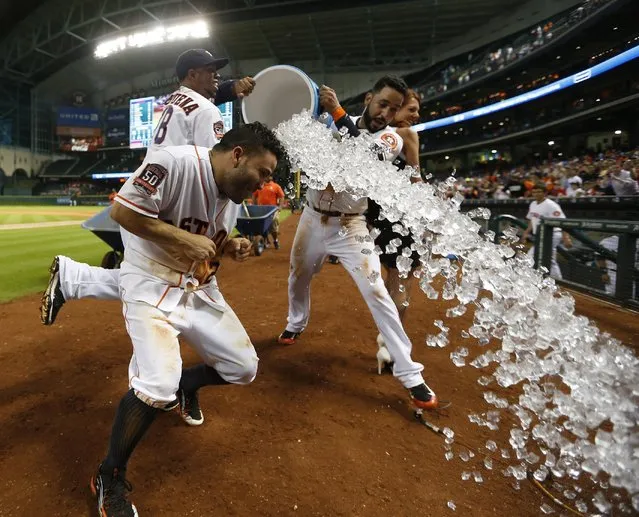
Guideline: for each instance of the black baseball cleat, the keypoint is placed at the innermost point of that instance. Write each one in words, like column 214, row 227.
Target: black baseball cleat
column 287, row 337
column 52, row 299
column 111, row 492
column 332, row 259
column 190, row 408
column 423, row 397
column 276, row 243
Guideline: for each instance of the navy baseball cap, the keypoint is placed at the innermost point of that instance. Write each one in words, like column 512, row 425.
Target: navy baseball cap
column 197, row 58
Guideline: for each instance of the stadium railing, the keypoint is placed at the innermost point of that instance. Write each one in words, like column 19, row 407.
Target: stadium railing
column 591, row 207
column 603, row 261
column 613, row 243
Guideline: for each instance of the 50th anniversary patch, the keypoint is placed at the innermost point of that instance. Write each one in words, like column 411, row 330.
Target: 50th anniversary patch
column 150, row 179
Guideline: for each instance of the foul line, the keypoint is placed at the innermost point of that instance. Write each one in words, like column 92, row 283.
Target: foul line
column 29, row 226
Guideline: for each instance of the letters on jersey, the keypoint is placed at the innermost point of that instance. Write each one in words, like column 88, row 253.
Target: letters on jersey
column 151, row 177
column 183, row 101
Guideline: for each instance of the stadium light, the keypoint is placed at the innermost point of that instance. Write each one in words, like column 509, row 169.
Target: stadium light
column 446, row 157
column 155, row 36
column 618, row 132
column 494, row 151
column 551, row 142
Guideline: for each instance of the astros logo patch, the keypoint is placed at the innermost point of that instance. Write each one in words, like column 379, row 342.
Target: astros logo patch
column 390, row 140
column 218, row 129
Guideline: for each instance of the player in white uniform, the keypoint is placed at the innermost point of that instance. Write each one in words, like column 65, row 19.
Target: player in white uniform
column 319, row 235
column 544, row 207
column 608, row 268
column 180, row 208
column 188, row 118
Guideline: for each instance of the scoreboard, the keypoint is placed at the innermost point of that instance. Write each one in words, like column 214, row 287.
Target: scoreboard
column 141, row 126
column 227, row 115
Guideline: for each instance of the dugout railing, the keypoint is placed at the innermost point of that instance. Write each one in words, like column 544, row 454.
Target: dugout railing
column 624, row 208
column 603, row 261
column 614, row 261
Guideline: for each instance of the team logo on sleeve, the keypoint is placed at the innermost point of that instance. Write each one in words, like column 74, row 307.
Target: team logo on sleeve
column 218, row 129
column 148, row 181
column 556, row 213
column 389, row 140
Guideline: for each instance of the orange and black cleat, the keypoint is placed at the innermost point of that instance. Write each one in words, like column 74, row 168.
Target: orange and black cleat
column 287, row 337
column 423, row 397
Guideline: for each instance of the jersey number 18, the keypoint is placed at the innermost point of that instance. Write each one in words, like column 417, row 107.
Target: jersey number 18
column 160, row 132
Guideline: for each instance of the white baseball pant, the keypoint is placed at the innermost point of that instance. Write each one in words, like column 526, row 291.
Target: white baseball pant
column 217, row 336
column 317, row 237
column 555, row 272
column 79, row 280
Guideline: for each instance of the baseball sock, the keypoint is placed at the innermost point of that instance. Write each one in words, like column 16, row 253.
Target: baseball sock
column 199, row 375
column 132, row 421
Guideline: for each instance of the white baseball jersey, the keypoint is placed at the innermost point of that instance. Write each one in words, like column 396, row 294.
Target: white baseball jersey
column 330, row 201
column 547, row 208
column 188, row 118
column 177, row 186
column 611, row 243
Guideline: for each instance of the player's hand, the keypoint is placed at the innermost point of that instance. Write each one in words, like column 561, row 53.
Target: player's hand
column 238, row 249
column 328, row 99
column 243, row 87
column 195, row 248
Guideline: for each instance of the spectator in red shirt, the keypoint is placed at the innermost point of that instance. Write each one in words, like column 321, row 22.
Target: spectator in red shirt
column 271, row 194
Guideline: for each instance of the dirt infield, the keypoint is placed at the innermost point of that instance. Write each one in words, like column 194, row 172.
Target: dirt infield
column 317, row 434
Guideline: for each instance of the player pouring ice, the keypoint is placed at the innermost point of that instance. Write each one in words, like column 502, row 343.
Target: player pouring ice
column 333, row 223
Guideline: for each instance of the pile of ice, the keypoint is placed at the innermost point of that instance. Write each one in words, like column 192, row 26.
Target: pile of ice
column 578, row 413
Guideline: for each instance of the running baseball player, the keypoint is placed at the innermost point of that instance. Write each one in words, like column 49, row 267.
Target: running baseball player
column 180, row 208
column 544, row 207
column 608, row 268
column 319, row 234
column 188, row 118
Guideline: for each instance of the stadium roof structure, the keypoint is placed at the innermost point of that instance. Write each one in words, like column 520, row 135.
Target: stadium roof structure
column 41, row 37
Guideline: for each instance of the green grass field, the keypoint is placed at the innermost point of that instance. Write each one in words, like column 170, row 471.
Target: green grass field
column 26, row 253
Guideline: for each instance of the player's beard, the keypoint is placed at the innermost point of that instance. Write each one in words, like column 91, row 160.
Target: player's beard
column 368, row 121
column 242, row 184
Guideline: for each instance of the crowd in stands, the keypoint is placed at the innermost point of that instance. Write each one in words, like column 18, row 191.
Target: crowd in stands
column 491, row 60
column 609, row 173
column 523, row 85
column 526, row 118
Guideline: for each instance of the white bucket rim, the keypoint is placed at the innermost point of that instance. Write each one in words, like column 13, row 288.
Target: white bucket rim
column 309, row 82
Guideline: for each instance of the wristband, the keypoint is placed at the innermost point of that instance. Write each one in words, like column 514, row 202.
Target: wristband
column 338, row 113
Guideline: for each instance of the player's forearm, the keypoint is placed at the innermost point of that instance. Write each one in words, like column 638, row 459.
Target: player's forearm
column 341, row 119
column 225, row 93
column 148, row 228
